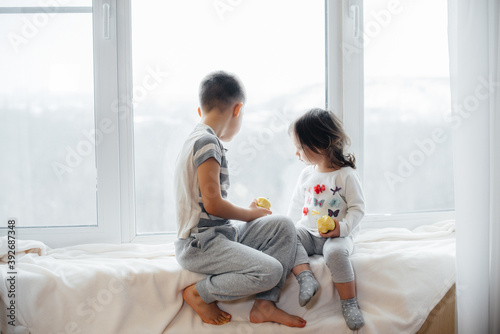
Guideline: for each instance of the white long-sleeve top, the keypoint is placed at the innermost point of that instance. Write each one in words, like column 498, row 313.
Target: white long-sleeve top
column 338, row 194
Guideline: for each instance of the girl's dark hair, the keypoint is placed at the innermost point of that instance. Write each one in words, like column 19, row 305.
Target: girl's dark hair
column 321, row 131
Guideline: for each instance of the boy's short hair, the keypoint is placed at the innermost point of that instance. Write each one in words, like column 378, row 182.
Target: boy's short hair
column 220, row 89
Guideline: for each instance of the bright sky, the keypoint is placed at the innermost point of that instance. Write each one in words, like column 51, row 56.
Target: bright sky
column 42, row 53
column 274, row 46
column 413, row 43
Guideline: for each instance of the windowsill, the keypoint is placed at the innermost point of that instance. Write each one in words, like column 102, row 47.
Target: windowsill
column 405, row 220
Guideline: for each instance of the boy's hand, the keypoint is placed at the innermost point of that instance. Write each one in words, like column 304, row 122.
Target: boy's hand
column 257, row 211
column 208, row 174
column 332, row 234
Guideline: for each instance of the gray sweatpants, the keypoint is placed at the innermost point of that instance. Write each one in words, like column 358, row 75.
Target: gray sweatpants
column 336, row 252
column 241, row 259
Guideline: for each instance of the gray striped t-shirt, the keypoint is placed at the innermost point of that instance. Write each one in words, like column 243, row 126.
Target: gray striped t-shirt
column 206, row 147
column 201, row 145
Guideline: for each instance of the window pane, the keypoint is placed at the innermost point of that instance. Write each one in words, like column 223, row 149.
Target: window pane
column 277, row 50
column 408, row 157
column 46, row 103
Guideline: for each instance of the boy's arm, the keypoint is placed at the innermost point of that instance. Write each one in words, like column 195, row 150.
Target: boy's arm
column 208, row 180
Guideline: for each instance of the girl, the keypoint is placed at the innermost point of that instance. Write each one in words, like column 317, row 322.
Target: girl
column 329, row 186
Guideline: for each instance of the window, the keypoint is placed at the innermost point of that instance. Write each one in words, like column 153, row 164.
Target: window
column 97, row 97
column 407, row 141
column 277, row 49
column 48, row 117
column 57, row 124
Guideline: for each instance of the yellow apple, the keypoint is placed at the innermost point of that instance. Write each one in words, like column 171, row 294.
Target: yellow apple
column 263, row 203
column 326, row 224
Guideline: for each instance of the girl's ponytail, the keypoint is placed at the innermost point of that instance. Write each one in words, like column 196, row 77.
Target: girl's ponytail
column 321, row 132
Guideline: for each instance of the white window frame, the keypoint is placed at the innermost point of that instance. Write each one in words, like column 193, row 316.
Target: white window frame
column 126, row 122
column 126, row 129
column 345, row 74
column 115, row 155
column 345, row 96
column 107, row 152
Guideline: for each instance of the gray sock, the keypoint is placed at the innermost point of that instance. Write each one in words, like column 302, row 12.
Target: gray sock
column 352, row 314
column 308, row 286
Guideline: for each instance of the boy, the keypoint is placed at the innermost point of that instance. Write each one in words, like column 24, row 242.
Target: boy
column 240, row 259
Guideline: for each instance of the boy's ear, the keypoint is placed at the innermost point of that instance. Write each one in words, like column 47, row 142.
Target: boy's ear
column 199, row 111
column 237, row 109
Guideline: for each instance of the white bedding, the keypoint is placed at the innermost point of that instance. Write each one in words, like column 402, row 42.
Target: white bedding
column 131, row 288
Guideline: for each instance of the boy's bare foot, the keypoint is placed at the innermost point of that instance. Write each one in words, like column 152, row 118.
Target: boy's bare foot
column 266, row 311
column 209, row 313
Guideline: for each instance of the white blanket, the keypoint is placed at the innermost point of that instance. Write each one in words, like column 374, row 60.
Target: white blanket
column 131, row 288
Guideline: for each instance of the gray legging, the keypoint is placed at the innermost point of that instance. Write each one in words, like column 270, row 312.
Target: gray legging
column 335, row 250
column 241, row 259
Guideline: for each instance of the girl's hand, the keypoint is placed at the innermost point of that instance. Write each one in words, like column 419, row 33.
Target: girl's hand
column 332, row 234
column 257, row 211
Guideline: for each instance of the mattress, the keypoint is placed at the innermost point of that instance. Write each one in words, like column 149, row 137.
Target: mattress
column 402, row 275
